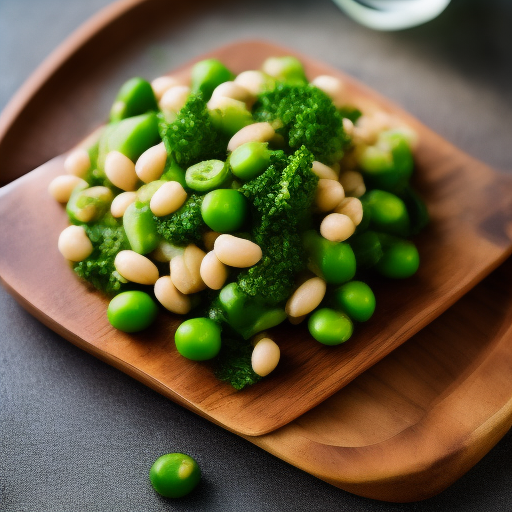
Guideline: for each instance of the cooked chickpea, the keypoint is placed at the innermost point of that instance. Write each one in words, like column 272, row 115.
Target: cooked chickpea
column 74, row 244
column 337, row 227
column 265, row 357
column 237, row 252
column 77, row 162
column 168, row 198
column 170, row 297
column 120, row 170
column 256, row 132
column 61, row 187
column 151, row 164
column 329, row 194
column 213, row 272
column 135, row 267
column 306, row 297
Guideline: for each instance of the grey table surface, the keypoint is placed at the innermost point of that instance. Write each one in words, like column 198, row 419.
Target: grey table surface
column 77, row 434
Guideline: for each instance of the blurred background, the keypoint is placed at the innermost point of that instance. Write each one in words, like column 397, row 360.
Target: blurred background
column 77, row 434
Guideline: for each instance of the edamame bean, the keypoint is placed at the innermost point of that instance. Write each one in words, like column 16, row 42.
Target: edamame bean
column 288, row 69
column 356, row 299
column 151, row 164
column 170, row 297
column 120, row 170
column 207, row 175
column 330, row 327
column 132, row 311
column 388, row 213
column 306, row 297
column 198, row 339
column 174, row 475
column 250, row 160
column 265, row 357
column 61, row 187
column 224, row 210
column 74, row 244
column 207, row 74
column 237, row 252
column 167, row 199
column 135, row 97
column 136, row 268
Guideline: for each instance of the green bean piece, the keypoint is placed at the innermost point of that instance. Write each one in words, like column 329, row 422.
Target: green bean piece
column 140, row 228
column 88, row 205
column 286, row 69
column 207, row 74
column 330, row 327
column 207, row 175
column 250, row 160
column 173, row 172
column 135, row 97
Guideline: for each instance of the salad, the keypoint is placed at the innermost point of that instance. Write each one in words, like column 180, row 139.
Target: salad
column 241, row 202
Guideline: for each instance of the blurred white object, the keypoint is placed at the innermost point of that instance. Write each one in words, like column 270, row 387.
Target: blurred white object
column 392, row 14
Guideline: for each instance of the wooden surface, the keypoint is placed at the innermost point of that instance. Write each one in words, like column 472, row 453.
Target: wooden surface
column 469, row 236
column 415, row 422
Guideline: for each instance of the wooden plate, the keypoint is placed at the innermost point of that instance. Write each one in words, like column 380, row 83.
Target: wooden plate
column 470, row 235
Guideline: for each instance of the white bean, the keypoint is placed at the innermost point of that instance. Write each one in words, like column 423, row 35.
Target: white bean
column 90, row 211
column 162, row 84
column 77, row 162
column 121, row 202
column 213, row 272
column 224, row 103
column 209, row 239
column 170, row 297
column 168, row 198
column 306, row 297
column 151, row 164
column 254, row 81
column 352, row 207
column 232, row 90
column 265, row 357
column 257, row 132
column 332, row 86
column 329, row 194
column 323, row 171
column 120, row 170
column 185, row 270
column 166, row 251
column 135, row 267
column 74, row 244
column 175, row 98
column 237, row 252
column 353, row 183
column 61, row 187
column 296, row 320
column 337, row 227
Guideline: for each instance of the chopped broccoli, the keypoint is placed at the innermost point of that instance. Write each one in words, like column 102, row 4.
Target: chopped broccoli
column 192, row 137
column 108, row 238
column 308, row 118
column 234, row 364
column 185, row 225
column 281, row 201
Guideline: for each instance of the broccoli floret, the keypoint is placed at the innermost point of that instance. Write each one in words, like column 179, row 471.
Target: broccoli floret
column 185, row 225
column 308, row 117
column 281, row 204
column 192, row 137
column 108, row 238
column 234, row 364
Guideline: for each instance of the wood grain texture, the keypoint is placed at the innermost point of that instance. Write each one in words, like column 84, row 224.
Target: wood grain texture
column 470, row 235
column 411, row 425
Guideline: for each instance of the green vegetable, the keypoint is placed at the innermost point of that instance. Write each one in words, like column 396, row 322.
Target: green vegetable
column 193, row 137
column 367, row 249
column 173, row 172
column 249, row 160
column 185, row 225
column 332, row 261
column 388, row 212
column 207, row 74
column 132, row 311
column 198, row 339
column 281, row 201
column 207, row 175
column 330, row 327
column 140, row 227
column 356, row 299
column 286, row 69
column 108, row 238
column 230, row 115
column 146, row 192
column 224, row 210
column 400, row 260
column 135, row 97
column 174, row 475
column 308, row 118
column 246, row 315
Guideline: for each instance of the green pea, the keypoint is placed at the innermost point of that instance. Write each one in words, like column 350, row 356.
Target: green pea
column 356, row 299
column 208, row 74
column 174, row 475
column 400, row 260
column 224, row 210
column 388, row 212
column 231, row 117
column 198, row 339
column 132, row 311
column 367, row 249
column 140, row 227
column 249, row 160
column 330, row 327
column 207, row 175
column 135, row 97
column 288, row 69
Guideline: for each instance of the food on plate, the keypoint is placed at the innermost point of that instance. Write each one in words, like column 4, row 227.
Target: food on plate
column 241, row 201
